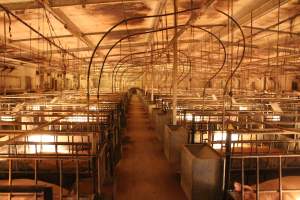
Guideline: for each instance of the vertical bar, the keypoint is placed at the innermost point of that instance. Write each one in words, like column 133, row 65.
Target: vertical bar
column 35, row 177
column 99, row 175
column 243, row 179
column 9, row 176
column 257, row 178
column 152, row 78
column 72, row 145
column 56, row 144
column 94, row 142
column 227, row 164
column 77, row 179
column 280, row 178
column 4, row 23
column 60, row 180
column 193, row 130
column 174, row 110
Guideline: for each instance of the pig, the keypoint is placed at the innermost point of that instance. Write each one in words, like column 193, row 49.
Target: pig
column 288, row 183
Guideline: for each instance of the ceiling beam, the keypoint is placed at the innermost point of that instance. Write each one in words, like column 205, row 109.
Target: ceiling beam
column 193, row 18
column 68, row 24
column 259, row 8
column 261, row 30
column 144, row 44
column 25, row 4
column 112, row 34
column 155, row 22
column 72, row 28
column 34, row 53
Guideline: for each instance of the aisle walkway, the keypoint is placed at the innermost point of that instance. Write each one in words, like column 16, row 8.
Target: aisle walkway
column 144, row 173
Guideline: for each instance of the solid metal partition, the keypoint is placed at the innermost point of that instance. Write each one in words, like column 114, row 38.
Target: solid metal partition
column 259, row 135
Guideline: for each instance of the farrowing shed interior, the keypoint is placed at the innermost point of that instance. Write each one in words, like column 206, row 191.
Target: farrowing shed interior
column 149, row 99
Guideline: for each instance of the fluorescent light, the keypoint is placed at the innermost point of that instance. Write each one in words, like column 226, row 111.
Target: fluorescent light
column 8, row 118
column 35, row 107
column 93, row 108
column 219, row 136
column 274, row 118
column 188, row 117
column 80, row 119
column 44, row 148
column 243, row 108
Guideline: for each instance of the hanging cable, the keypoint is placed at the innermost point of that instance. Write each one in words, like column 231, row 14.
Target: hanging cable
column 141, row 33
column 227, row 167
column 112, row 28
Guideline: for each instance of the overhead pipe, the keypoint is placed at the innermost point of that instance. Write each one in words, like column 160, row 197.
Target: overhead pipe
column 228, row 136
column 243, row 52
column 116, row 43
column 175, row 66
column 121, row 60
column 219, row 70
column 127, row 68
column 119, row 23
column 37, row 32
column 141, row 74
column 131, row 35
column 139, row 58
column 121, row 77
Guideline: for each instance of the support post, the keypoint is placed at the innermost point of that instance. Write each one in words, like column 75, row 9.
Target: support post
column 152, row 77
column 174, row 101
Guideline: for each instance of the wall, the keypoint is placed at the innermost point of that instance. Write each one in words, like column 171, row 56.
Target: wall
column 26, row 79
column 22, row 78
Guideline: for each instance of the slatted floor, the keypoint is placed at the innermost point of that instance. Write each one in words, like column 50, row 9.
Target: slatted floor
column 143, row 172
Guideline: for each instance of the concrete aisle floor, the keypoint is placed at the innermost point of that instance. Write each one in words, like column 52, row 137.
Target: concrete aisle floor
column 144, row 173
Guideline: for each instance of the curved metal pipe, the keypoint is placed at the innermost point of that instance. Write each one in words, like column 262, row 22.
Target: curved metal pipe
column 121, row 77
column 127, row 67
column 141, row 33
column 121, row 60
column 37, row 32
column 119, row 23
column 190, row 65
column 243, row 53
column 220, row 69
column 228, row 136
column 116, row 43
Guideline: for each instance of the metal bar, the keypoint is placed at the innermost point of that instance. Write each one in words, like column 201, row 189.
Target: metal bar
column 257, row 178
column 60, row 179
column 243, row 179
column 77, row 180
column 37, row 32
column 271, row 30
column 31, row 4
column 99, row 173
column 266, row 156
column 175, row 67
column 35, row 177
column 112, row 28
column 10, row 176
column 116, row 32
column 152, row 78
column 280, row 178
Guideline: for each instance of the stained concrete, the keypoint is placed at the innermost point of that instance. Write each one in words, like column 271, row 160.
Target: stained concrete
column 143, row 172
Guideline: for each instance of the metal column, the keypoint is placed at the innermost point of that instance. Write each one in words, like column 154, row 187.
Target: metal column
column 174, row 102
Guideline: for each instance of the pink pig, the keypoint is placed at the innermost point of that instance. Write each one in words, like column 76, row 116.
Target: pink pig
column 288, row 183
